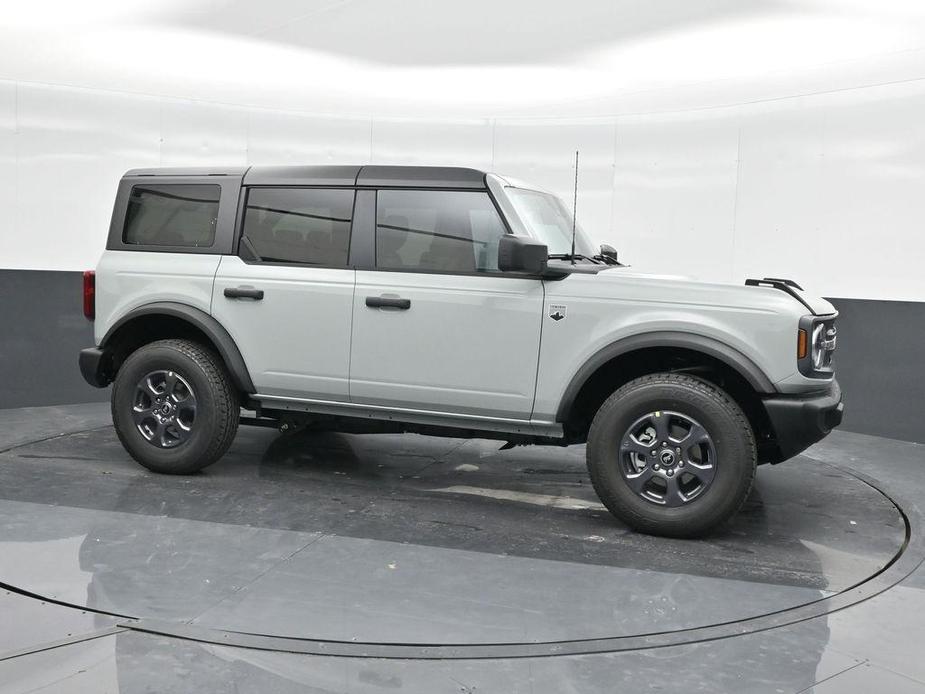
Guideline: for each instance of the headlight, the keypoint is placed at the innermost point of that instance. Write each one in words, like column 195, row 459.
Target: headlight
column 816, row 342
column 823, row 346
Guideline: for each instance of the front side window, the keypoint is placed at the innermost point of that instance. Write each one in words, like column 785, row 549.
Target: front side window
column 299, row 225
column 437, row 230
column 172, row 214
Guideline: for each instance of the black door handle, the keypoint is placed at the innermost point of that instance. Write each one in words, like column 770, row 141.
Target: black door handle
column 244, row 293
column 388, row 302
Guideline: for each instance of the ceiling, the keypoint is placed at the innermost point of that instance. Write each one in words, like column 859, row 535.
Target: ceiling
column 477, row 32
column 481, row 58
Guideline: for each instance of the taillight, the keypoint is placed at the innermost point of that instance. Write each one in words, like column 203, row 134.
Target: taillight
column 90, row 294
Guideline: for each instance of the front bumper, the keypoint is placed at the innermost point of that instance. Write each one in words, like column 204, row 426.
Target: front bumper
column 801, row 421
column 94, row 364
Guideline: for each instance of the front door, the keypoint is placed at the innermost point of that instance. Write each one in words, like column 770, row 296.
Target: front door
column 287, row 302
column 436, row 327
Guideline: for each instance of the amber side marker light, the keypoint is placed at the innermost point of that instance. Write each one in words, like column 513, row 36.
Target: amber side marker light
column 801, row 344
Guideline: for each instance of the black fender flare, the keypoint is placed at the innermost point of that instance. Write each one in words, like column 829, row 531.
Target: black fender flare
column 730, row 356
column 215, row 331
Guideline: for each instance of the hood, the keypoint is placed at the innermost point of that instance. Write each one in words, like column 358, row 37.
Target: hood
column 754, row 292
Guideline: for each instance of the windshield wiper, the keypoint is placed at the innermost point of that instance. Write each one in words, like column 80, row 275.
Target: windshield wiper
column 569, row 256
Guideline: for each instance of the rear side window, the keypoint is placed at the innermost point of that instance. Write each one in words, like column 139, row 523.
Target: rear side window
column 172, row 215
column 437, row 230
column 299, row 225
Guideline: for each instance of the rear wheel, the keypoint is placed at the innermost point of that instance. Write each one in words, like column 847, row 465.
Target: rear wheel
column 173, row 407
column 670, row 454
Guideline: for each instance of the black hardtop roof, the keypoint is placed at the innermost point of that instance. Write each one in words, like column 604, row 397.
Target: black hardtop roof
column 332, row 175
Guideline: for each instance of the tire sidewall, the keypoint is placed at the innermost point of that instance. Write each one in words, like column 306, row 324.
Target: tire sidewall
column 156, row 357
column 735, row 458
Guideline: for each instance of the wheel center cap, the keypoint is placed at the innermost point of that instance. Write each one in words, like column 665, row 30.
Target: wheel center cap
column 667, row 458
column 166, row 409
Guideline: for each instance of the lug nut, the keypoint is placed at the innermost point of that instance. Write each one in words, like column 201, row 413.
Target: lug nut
column 655, row 467
column 681, row 464
column 653, row 451
column 664, row 443
column 677, row 450
column 670, row 473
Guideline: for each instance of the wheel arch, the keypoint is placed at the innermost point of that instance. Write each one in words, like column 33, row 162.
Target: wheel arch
column 164, row 319
column 629, row 357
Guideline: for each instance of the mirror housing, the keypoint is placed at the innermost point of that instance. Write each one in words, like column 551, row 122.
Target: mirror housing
column 522, row 254
column 609, row 254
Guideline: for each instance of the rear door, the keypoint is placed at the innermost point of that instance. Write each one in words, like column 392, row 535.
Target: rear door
column 287, row 297
column 436, row 326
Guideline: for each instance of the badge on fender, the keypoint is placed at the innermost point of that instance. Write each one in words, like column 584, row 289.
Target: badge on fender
column 557, row 311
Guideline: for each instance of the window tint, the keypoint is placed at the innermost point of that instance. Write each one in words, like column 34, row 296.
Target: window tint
column 299, row 225
column 172, row 215
column 452, row 231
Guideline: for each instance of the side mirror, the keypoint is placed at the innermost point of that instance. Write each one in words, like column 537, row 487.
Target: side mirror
column 522, row 254
column 609, row 254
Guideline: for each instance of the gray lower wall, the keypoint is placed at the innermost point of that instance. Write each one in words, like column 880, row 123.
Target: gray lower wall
column 879, row 343
column 880, row 368
column 43, row 329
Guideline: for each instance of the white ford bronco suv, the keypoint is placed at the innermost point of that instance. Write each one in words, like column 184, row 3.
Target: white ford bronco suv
column 448, row 302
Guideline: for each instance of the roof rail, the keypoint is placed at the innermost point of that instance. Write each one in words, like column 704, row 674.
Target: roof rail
column 784, row 285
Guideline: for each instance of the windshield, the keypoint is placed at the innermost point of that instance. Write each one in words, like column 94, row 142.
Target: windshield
column 548, row 219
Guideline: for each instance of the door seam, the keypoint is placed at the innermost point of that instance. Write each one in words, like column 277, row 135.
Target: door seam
column 353, row 310
column 539, row 349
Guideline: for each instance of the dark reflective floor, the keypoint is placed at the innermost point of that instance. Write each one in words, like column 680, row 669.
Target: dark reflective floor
column 806, row 524
column 408, row 539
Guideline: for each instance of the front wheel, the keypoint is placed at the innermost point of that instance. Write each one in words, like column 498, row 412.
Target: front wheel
column 671, row 454
column 173, row 407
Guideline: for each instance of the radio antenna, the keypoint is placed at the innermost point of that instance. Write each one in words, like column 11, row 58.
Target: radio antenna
column 575, row 207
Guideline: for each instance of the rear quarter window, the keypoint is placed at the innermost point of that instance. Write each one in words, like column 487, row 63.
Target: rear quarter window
column 172, row 215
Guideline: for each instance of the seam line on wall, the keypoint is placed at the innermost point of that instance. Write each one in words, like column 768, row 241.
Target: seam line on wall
column 501, row 117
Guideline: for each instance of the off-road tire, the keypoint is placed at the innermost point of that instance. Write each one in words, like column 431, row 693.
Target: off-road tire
column 724, row 421
column 217, row 413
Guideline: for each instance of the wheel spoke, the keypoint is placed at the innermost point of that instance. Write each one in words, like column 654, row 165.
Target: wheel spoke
column 673, row 494
column 170, row 385
column 181, row 431
column 140, row 414
column 637, row 481
column 697, row 434
column 660, row 421
column 187, row 404
column 148, row 386
column 703, row 473
column 631, row 445
column 160, row 434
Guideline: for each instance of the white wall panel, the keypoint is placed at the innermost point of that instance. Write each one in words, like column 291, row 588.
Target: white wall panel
column 830, row 192
column 872, row 218
column 417, row 142
column 781, row 193
column 72, row 147
column 8, row 236
column 674, row 192
column 292, row 138
column 194, row 133
column 543, row 152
